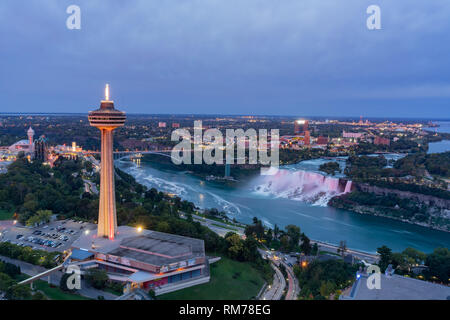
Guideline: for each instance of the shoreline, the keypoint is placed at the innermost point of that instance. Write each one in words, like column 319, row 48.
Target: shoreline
column 362, row 212
column 370, row 254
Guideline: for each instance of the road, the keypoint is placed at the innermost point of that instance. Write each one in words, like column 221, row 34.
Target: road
column 218, row 227
column 293, row 289
column 90, row 187
column 55, row 279
column 279, row 281
column 275, row 291
column 368, row 257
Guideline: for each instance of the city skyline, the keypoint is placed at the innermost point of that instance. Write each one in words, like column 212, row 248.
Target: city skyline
column 229, row 58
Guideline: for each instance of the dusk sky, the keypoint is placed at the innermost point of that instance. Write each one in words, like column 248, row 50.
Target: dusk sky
column 260, row 57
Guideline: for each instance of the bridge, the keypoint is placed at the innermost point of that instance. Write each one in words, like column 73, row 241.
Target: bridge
column 41, row 275
column 136, row 153
column 139, row 153
column 45, row 273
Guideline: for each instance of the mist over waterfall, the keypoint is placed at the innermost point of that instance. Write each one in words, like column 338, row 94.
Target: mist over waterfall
column 302, row 185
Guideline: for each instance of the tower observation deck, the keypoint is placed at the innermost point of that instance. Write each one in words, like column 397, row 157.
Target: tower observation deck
column 106, row 119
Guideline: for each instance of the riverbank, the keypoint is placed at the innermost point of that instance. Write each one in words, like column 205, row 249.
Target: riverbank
column 242, row 202
column 421, row 210
column 364, row 210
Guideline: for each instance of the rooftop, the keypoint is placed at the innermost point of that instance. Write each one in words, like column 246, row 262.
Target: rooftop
column 152, row 247
column 401, row 288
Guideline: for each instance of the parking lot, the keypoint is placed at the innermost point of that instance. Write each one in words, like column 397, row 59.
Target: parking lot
column 54, row 236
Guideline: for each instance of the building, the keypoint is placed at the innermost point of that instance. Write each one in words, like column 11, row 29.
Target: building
column 300, row 126
column 352, row 135
column 381, row 141
column 322, row 140
column 24, row 145
column 106, row 119
column 162, row 124
column 41, row 149
column 30, row 134
column 144, row 259
column 175, row 125
column 396, row 287
column 307, row 138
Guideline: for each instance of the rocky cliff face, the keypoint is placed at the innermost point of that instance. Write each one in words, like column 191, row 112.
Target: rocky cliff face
column 416, row 197
column 424, row 210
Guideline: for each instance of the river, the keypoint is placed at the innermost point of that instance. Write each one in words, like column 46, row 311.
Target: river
column 319, row 222
column 441, row 146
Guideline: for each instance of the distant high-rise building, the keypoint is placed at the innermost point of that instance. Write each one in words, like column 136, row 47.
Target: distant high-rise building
column 30, row 134
column 301, row 126
column 106, row 119
column 307, row 139
column 40, row 149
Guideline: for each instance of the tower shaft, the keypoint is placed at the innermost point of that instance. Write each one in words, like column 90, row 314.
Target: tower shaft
column 106, row 119
column 107, row 223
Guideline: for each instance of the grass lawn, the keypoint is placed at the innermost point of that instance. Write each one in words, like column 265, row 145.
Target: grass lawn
column 6, row 215
column 56, row 293
column 223, row 227
column 51, row 293
column 229, row 280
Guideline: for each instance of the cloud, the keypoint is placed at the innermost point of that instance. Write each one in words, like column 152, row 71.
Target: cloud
column 242, row 55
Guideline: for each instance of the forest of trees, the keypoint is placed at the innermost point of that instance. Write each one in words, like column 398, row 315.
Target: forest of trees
column 33, row 190
column 330, row 167
column 438, row 262
column 320, row 279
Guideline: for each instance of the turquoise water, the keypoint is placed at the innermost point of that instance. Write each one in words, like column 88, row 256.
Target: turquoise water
column 365, row 233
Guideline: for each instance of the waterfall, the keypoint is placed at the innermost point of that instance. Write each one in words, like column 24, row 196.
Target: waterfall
column 301, row 185
column 348, row 187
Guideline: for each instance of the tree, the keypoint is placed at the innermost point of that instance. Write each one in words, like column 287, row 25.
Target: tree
column 5, row 282
column 255, row 230
column 276, row 231
column 342, row 248
column 294, row 235
column 152, row 294
column 285, row 243
column 39, row 296
column 315, row 249
column 385, row 257
column 235, row 246
column 97, row 278
column 163, row 226
column 40, row 217
column 63, row 282
column 439, row 264
column 414, row 254
column 306, row 245
column 18, row 292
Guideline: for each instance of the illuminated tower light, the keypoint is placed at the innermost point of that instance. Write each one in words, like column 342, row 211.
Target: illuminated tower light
column 106, row 119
